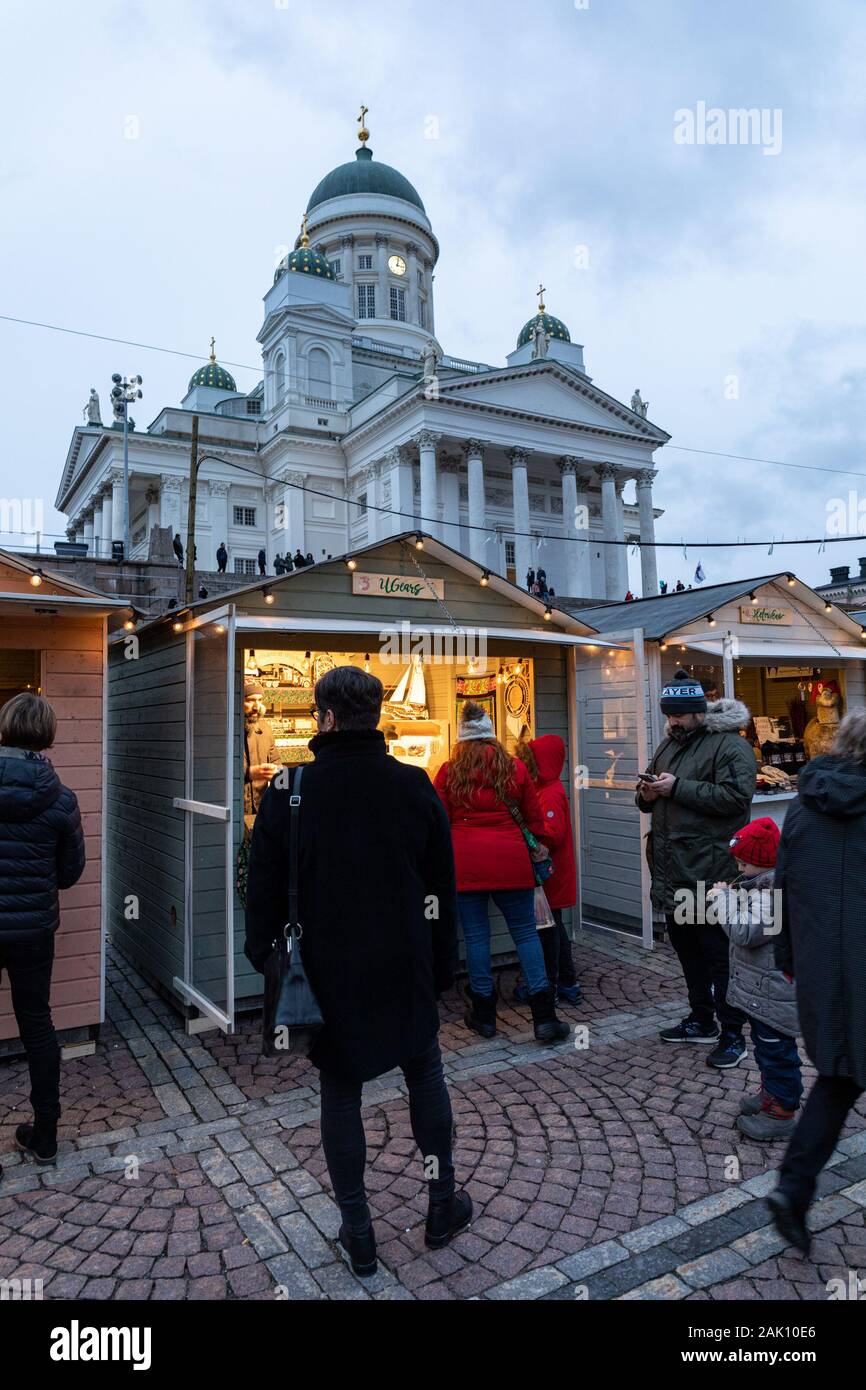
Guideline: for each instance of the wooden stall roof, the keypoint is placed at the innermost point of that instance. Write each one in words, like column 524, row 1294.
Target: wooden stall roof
column 666, row 614
column 55, row 593
column 559, row 620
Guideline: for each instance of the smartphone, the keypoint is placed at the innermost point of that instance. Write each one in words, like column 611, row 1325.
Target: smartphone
column 647, row 777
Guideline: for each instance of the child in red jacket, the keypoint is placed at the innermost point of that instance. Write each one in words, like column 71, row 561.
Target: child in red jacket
column 545, row 758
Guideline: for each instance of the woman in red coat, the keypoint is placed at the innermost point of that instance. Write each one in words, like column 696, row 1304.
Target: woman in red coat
column 545, row 758
column 477, row 785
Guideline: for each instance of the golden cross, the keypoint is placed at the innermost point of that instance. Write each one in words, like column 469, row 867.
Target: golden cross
column 363, row 133
column 305, row 240
column 540, row 291
column 364, row 110
column 212, row 346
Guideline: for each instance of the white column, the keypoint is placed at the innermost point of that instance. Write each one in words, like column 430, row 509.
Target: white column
column 169, row 505
column 575, row 520
column 428, row 281
column 97, row 526
column 292, row 499
column 449, row 477
column 523, row 550
column 218, row 512
column 412, row 312
column 427, row 442
column 607, row 474
column 117, row 503
column 398, row 463
column 383, row 306
column 477, row 502
column 621, row 551
column 648, row 570
column 107, row 521
column 88, row 530
column 374, row 517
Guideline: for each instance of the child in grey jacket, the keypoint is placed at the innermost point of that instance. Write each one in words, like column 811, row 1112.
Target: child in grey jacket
column 750, row 915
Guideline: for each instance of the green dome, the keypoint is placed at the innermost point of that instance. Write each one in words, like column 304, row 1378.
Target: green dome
column 364, row 174
column 306, row 262
column 554, row 327
column 212, row 374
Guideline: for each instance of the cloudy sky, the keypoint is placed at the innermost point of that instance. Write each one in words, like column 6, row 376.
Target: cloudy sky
column 724, row 281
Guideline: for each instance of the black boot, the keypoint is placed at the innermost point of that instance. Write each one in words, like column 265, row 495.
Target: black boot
column 38, row 1140
column 446, row 1218
column 548, row 1028
column 361, row 1250
column 789, row 1222
column 481, row 1015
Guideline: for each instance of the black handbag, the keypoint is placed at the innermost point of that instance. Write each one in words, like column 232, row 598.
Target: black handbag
column 292, row 1017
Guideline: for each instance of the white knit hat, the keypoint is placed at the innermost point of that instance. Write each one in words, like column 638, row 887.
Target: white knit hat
column 475, row 728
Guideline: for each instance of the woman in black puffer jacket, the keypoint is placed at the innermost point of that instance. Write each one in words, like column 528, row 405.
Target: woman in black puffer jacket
column 41, row 851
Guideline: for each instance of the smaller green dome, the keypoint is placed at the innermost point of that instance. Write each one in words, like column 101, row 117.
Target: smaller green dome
column 554, row 327
column 212, row 374
column 305, row 261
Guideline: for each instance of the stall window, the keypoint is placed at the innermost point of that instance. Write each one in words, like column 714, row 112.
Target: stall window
column 19, row 671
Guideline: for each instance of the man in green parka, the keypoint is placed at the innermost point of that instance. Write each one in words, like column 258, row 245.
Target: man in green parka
column 699, row 793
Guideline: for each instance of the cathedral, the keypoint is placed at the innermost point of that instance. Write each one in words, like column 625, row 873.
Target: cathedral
column 363, row 426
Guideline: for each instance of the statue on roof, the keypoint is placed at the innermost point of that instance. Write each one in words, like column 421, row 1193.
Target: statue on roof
column 540, row 338
column 92, row 412
column 639, row 406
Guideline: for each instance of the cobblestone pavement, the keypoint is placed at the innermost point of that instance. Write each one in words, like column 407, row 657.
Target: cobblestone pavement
column 190, row 1166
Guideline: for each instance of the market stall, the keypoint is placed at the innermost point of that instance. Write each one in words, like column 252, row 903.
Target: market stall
column 220, row 695
column 53, row 642
column 793, row 658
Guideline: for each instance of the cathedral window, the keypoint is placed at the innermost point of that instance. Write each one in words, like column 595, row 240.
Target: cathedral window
column 279, row 376
column 245, row 516
column 319, row 373
column 366, row 301
column 422, row 312
column 336, row 268
column 362, row 504
column 365, row 262
column 398, row 304
column 245, row 566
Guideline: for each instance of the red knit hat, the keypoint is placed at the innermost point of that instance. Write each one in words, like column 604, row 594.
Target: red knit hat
column 757, row 843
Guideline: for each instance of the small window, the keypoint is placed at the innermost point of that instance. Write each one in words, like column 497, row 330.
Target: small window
column 245, row 566
column 365, row 262
column 366, row 301
column 362, row 504
column 245, row 516
column 422, row 312
column 398, row 304
column 336, row 268
column 509, row 552
column 254, row 407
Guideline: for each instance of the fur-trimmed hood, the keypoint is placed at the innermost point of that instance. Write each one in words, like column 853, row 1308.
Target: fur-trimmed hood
column 726, row 717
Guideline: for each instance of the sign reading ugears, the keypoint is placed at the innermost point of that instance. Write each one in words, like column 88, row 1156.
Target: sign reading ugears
column 397, row 586
column 766, row 615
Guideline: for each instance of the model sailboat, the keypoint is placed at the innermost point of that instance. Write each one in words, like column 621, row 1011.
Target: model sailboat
column 408, row 699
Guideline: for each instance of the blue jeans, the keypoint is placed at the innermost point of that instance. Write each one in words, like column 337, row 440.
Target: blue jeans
column 517, row 906
column 777, row 1056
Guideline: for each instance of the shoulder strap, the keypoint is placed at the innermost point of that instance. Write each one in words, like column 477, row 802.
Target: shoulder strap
column 294, row 827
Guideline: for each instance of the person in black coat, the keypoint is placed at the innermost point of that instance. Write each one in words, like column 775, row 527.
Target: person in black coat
column 378, row 908
column 263, row 562
column 222, row 557
column 299, row 559
column 41, row 851
column 822, row 946
column 177, row 547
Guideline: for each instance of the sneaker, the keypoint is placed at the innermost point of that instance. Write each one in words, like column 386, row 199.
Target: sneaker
column 729, row 1053
column 690, row 1031
column 789, row 1222
column 569, row 994
column 753, row 1105
column 770, row 1123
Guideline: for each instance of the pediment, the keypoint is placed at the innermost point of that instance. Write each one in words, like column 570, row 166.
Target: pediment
column 552, row 392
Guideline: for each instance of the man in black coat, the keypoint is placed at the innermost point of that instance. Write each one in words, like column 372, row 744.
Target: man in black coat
column 378, row 909
column 822, row 945
column 41, row 851
column 222, row 557
column 263, row 562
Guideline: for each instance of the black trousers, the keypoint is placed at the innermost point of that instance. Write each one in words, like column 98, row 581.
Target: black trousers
column 703, row 954
column 814, row 1139
column 28, row 966
column 346, row 1148
column 558, row 960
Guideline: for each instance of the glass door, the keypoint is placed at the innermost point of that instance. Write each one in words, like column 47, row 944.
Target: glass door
column 208, row 981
